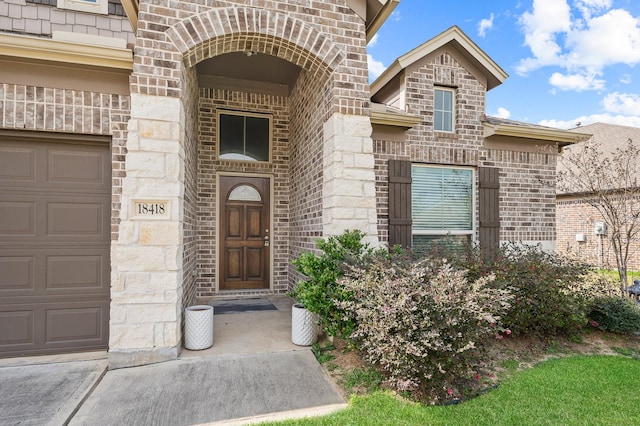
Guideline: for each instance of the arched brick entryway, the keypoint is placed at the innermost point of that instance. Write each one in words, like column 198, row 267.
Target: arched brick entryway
column 329, row 163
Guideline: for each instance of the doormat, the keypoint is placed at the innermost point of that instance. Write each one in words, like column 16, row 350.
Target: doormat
column 236, row 306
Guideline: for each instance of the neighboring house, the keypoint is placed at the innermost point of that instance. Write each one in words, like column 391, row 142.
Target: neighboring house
column 579, row 226
column 196, row 159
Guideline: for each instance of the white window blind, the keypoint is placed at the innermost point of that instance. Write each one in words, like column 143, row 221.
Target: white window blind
column 442, row 199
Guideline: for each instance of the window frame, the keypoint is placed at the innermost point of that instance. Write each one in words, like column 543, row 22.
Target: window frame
column 473, row 207
column 244, row 114
column 452, row 91
column 99, row 7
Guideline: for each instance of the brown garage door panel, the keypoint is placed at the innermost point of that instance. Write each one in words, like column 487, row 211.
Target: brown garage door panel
column 47, row 218
column 53, row 327
column 54, row 165
column 16, row 328
column 17, row 163
column 51, row 271
column 18, row 218
column 17, row 273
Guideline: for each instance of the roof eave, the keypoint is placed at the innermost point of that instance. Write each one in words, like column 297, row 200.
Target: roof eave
column 380, row 17
column 395, row 120
column 42, row 49
column 131, row 8
column 562, row 137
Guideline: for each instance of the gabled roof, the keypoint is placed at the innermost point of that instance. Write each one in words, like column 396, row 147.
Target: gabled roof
column 456, row 39
column 518, row 129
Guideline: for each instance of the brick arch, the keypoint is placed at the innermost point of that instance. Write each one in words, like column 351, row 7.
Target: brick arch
column 231, row 29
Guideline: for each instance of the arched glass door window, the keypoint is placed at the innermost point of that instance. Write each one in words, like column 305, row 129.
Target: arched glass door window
column 244, row 136
column 244, row 193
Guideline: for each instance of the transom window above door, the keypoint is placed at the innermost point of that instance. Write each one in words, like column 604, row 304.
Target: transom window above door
column 244, row 136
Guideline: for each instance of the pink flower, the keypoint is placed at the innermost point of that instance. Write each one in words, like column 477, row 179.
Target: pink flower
column 594, row 323
column 477, row 376
column 499, row 336
column 507, row 332
column 449, row 391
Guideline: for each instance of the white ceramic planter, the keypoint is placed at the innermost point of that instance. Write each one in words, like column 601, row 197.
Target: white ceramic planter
column 198, row 327
column 304, row 326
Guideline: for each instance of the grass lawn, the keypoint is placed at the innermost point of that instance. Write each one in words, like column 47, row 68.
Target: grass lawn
column 579, row 390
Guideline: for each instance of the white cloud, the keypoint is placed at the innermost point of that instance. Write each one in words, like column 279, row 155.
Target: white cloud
column 395, row 15
column 375, row 67
column 374, row 41
column 622, row 103
column 484, row 25
column 622, row 120
column 625, row 79
column 576, row 82
column 503, row 113
column 583, row 41
column 549, row 17
column 608, row 39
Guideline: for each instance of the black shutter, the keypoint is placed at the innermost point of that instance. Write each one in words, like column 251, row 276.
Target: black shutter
column 489, row 205
column 400, row 203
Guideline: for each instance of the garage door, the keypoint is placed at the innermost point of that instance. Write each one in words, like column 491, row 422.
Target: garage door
column 55, row 200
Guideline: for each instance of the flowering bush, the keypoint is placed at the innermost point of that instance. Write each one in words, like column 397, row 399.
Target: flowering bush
column 421, row 322
column 552, row 293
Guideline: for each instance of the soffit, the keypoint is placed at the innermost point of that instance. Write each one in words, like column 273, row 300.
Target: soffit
column 250, row 66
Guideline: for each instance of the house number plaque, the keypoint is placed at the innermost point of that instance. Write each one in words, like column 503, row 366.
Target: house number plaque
column 151, row 209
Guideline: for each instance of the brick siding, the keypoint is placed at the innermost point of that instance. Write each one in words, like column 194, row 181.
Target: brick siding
column 577, row 217
column 314, row 36
column 527, row 180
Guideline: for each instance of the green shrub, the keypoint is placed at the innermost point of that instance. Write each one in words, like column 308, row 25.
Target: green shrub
column 421, row 322
column 552, row 293
column 320, row 291
column 615, row 314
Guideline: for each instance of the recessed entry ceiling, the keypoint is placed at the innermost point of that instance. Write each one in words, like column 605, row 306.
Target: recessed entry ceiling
column 256, row 67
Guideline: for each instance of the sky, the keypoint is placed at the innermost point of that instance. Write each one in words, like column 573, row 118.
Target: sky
column 569, row 61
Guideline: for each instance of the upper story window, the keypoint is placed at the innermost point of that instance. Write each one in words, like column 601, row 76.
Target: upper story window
column 443, row 110
column 244, row 136
column 91, row 6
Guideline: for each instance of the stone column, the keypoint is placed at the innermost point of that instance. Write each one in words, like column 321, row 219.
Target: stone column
column 349, row 192
column 146, row 260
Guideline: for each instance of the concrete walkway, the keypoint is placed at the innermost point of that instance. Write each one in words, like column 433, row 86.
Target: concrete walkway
column 204, row 390
column 251, row 374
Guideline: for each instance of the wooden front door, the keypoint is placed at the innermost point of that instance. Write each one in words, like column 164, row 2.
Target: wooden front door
column 244, row 233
